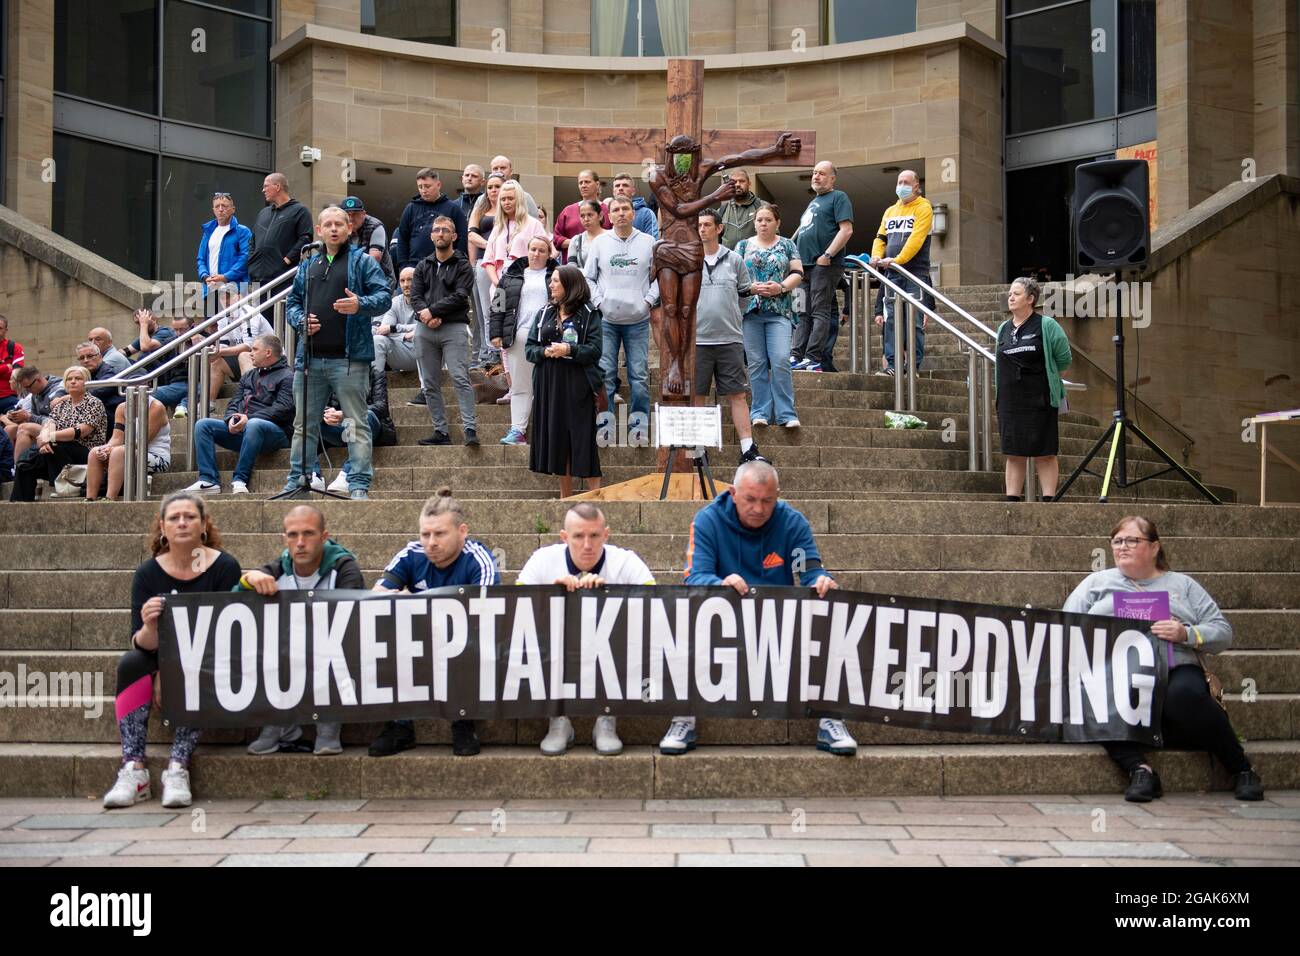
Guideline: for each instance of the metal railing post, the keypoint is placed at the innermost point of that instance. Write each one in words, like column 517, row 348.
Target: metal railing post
column 868, row 316
column 898, row 351
column 986, row 413
column 205, row 386
column 911, row 357
column 193, row 384
column 142, row 444
column 278, row 323
column 855, row 316
column 128, row 436
column 972, row 416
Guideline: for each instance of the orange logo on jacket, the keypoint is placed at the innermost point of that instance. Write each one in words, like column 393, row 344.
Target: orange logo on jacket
column 773, row 560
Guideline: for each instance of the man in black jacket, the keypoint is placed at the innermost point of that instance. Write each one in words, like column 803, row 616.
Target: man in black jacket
column 440, row 295
column 334, row 429
column 282, row 228
column 414, row 241
column 259, row 418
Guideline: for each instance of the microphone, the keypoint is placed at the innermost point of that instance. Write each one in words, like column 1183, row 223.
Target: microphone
column 310, row 246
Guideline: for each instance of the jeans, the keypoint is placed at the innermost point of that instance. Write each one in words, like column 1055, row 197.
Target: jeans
column 521, row 382
column 172, row 395
column 812, row 337
column 433, row 347
column 331, row 436
column 897, row 304
column 349, row 382
column 258, row 436
column 767, row 350
column 635, row 339
column 486, row 354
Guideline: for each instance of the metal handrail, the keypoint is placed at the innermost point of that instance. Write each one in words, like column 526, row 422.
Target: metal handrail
column 979, row 404
column 137, row 390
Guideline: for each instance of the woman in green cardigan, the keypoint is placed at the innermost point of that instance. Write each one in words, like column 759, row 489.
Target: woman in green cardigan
column 1032, row 351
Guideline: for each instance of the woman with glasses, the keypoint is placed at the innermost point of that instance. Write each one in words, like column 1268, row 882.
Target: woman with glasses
column 1192, row 718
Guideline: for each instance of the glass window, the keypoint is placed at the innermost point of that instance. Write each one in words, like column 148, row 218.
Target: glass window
column 1061, row 66
column 186, row 199
column 104, row 200
column 424, row 21
column 1137, row 54
column 848, row 20
column 261, row 8
column 1040, row 220
column 639, row 27
column 217, row 77
column 107, row 50
column 1024, row 6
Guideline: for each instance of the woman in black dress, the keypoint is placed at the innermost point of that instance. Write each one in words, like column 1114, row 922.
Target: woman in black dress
column 1031, row 352
column 564, row 346
column 187, row 559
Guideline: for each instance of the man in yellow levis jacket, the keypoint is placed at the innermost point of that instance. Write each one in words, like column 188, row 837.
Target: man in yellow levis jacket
column 904, row 239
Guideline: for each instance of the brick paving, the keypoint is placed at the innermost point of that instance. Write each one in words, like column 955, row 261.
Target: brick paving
column 1184, row 829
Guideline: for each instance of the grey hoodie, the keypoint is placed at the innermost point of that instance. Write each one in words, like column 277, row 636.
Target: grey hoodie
column 620, row 272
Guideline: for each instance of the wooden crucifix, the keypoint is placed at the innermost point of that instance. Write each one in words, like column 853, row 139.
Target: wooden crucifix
column 677, row 183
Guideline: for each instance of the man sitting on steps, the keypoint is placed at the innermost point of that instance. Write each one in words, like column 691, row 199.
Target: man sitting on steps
column 746, row 538
column 310, row 560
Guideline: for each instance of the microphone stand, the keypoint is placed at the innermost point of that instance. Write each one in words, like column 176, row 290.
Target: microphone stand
column 304, row 489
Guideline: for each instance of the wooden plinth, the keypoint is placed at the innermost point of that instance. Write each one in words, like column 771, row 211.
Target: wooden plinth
column 681, row 487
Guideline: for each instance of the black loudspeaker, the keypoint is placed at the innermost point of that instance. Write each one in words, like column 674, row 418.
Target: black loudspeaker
column 1111, row 224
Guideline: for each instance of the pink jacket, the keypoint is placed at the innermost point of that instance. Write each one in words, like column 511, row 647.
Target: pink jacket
column 511, row 243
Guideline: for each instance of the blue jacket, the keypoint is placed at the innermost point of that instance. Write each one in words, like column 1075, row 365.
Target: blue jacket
column 232, row 261
column 782, row 553
column 645, row 218
column 368, row 281
column 413, row 241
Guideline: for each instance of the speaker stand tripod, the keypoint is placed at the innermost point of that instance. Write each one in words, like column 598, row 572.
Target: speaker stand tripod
column 1117, row 461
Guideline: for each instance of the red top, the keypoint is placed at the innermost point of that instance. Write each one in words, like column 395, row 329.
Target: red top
column 568, row 224
column 11, row 358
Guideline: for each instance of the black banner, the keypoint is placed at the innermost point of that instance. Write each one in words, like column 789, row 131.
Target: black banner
column 241, row 660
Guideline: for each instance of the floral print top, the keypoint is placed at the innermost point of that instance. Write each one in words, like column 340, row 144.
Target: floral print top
column 769, row 265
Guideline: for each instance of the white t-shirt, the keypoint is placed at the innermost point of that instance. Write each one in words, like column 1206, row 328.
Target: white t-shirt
column 251, row 324
column 532, row 298
column 214, row 248
column 616, row 566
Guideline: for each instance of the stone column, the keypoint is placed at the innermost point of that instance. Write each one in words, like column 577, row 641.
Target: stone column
column 1277, row 87
column 29, row 111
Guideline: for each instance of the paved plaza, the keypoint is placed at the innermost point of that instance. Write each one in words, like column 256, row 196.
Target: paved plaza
column 1184, row 829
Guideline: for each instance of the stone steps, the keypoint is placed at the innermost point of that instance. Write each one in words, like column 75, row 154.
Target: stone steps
column 521, row 772
column 90, row 719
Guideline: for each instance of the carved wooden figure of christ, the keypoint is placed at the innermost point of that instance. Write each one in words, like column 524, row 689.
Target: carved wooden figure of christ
column 679, row 254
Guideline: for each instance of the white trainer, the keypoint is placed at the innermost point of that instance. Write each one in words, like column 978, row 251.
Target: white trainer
column 792, row 423
column 559, row 737
column 176, row 786
column 680, row 737
column 340, row 483
column 833, row 736
column 206, row 487
column 317, row 483
column 131, row 787
column 604, row 737
column 238, row 488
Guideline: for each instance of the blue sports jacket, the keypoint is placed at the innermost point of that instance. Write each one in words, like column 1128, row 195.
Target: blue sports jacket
column 232, row 261
column 367, row 280
column 782, row 553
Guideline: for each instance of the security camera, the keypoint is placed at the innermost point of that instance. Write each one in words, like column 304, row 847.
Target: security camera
column 309, row 155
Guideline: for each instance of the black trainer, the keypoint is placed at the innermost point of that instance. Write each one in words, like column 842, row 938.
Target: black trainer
column 464, row 741
column 1144, row 786
column 471, row 438
column 437, row 438
column 1247, row 786
column 418, row 400
column 395, row 738
column 752, row 455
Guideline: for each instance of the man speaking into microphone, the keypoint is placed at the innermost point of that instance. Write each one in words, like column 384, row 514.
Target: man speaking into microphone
column 337, row 290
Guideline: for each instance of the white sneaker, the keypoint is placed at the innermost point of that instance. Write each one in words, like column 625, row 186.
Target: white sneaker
column 559, row 737
column 131, row 787
column 760, row 422
column 180, row 412
column 680, row 737
column 340, row 483
column 206, row 487
column 317, row 483
column 792, row 423
column 238, row 488
column 604, row 737
column 176, row 786
column 834, row 737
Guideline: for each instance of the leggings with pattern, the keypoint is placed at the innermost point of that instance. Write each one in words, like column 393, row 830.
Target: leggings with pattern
column 135, row 676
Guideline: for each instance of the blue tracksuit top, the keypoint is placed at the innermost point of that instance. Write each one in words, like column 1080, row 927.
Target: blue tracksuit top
column 782, row 553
